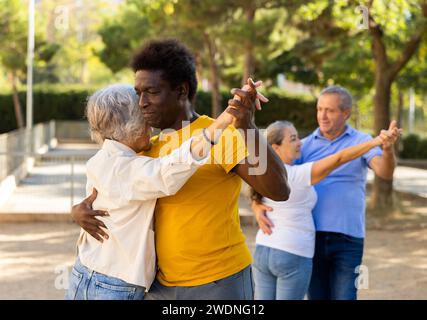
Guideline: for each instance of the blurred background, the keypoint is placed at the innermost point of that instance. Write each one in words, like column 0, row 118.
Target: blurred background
column 53, row 54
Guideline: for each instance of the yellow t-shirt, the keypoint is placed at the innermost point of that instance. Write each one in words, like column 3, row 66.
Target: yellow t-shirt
column 198, row 234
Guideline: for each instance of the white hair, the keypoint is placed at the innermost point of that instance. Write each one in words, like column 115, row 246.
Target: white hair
column 113, row 113
column 346, row 100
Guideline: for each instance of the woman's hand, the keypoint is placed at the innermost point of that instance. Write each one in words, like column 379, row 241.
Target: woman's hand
column 232, row 112
column 387, row 138
column 244, row 103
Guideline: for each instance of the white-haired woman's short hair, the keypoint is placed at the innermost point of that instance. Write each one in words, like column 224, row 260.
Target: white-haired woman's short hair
column 113, row 113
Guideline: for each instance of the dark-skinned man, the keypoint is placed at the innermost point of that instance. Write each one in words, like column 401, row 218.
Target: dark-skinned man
column 201, row 249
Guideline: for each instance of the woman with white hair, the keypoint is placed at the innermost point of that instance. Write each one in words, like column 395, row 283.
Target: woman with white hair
column 124, row 266
column 283, row 258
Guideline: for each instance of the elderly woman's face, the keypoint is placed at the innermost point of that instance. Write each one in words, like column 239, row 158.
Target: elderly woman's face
column 290, row 148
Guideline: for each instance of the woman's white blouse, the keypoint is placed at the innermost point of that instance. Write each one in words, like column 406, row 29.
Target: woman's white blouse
column 128, row 186
column 293, row 229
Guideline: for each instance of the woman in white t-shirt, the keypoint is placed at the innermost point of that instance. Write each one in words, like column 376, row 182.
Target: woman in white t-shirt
column 283, row 259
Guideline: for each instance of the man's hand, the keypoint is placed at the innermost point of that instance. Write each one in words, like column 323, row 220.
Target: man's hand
column 387, row 138
column 245, row 101
column 260, row 211
column 84, row 216
column 390, row 136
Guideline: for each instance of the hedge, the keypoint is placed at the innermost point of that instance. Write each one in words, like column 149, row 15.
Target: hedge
column 69, row 105
column 302, row 112
column 413, row 147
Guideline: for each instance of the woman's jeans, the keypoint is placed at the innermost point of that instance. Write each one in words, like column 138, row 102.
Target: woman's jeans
column 86, row 284
column 280, row 275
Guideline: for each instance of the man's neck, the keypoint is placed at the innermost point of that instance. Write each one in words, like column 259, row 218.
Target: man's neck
column 333, row 135
column 188, row 114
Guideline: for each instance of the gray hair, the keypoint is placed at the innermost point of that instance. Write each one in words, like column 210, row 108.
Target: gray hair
column 346, row 100
column 113, row 113
column 275, row 131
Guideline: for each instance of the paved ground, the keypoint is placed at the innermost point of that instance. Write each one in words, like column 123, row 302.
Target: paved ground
column 35, row 259
column 409, row 180
column 56, row 181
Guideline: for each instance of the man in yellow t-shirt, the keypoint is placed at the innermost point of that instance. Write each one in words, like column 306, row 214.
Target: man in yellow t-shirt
column 201, row 248
column 198, row 228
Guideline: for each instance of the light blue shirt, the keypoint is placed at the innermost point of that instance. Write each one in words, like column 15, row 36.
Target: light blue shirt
column 341, row 195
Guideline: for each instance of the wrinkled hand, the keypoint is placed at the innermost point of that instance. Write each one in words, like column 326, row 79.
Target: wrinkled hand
column 387, row 138
column 260, row 211
column 244, row 103
column 85, row 217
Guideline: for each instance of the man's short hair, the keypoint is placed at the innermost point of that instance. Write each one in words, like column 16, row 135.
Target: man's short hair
column 346, row 100
column 173, row 58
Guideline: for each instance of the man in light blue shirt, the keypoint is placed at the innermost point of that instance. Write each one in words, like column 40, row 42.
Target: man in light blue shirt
column 339, row 214
column 341, row 195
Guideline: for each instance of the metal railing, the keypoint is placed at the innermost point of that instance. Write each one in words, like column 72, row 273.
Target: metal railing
column 48, row 183
column 36, row 177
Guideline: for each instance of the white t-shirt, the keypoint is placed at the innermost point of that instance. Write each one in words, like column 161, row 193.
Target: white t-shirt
column 293, row 229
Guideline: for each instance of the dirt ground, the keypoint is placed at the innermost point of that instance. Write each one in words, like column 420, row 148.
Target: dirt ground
column 35, row 258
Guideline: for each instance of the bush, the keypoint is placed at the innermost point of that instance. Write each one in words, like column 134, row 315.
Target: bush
column 68, row 104
column 300, row 111
column 414, row 147
column 57, row 105
column 422, row 149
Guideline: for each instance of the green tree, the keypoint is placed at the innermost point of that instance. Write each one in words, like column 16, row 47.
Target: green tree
column 199, row 29
column 13, row 42
column 361, row 47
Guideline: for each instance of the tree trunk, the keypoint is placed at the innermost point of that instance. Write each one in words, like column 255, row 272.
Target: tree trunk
column 214, row 71
column 51, row 28
column 382, row 100
column 248, row 66
column 16, row 103
column 355, row 114
column 399, row 113
column 199, row 67
column 382, row 197
column 399, row 117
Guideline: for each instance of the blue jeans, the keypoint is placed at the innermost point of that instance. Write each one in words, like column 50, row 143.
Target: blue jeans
column 238, row 286
column 335, row 263
column 280, row 275
column 86, row 284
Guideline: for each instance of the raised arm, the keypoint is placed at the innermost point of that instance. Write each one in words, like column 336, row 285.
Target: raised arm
column 322, row 168
column 159, row 177
column 268, row 178
column 384, row 165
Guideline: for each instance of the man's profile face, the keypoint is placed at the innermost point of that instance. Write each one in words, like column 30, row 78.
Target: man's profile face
column 330, row 117
column 158, row 101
